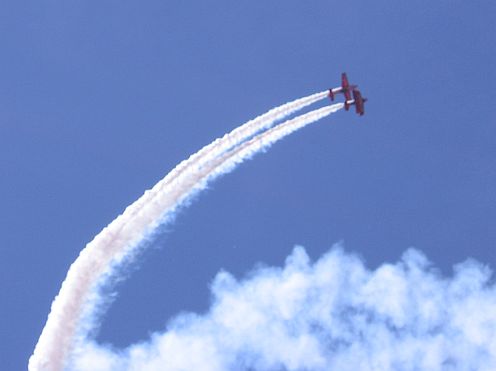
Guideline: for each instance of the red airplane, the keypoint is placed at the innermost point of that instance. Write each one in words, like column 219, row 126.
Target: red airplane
column 345, row 88
column 358, row 101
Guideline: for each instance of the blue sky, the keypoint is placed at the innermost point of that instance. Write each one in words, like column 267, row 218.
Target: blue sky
column 99, row 100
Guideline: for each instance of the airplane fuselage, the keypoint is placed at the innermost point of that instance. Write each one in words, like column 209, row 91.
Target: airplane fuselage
column 342, row 90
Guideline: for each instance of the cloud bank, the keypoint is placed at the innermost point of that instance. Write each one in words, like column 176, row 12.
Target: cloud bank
column 76, row 310
column 332, row 314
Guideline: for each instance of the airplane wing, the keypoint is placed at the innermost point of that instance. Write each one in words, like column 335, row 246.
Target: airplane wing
column 345, row 85
column 344, row 81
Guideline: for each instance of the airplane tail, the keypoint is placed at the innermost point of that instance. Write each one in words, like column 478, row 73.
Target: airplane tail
column 331, row 94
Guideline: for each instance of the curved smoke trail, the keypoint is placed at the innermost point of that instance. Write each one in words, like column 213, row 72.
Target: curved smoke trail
column 229, row 140
column 120, row 239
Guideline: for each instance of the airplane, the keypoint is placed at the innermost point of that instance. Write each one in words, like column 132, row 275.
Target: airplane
column 345, row 88
column 358, row 101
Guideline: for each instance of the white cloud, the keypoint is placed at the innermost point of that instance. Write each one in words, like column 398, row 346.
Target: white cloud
column 333, row 314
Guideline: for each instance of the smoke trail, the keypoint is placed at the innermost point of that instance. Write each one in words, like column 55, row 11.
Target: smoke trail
column 227, row 142
column 121, row 237
column 263, row 141
column 332, row 314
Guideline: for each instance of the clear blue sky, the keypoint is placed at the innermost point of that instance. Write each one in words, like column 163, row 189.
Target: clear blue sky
column 100, row 99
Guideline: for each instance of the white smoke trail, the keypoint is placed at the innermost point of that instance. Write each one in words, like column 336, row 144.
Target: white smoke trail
column 333, row 314
column 263, row 141
column 121, row 237
column 228, row 141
